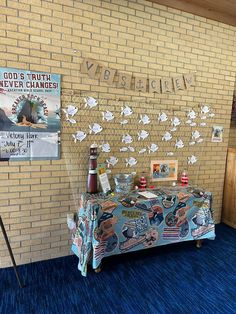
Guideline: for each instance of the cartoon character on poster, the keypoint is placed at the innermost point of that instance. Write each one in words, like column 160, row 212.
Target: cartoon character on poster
column 217, row 134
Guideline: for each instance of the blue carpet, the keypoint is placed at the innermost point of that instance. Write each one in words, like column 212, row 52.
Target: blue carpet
column 170, row 279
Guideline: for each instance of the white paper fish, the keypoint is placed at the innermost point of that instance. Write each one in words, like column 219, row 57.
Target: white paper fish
column 144, row 119
column 72, row 121
column 192, row 159
column 79, row 136
column 192, row 114
column 127, row 139
column 179, row 144
column 124, row 122
column 173, row 129
column 95, row 128
column 203, row 124
column 192, row 143
column 131, row 161
column 124, row 149
column 106, row 148
column 112, row 161
column 90, row 102
column 205, row 109
column 203, row 117
column 162, row 117
column 169, row 154
column 143, row 150
column 167, row 137
column 195, row 135
column 132, row 149
column 193, row 124
column 188, row 121
column 211, row 115
column 126, row 111
column 200, row 140
column 71, row 110
column 107, row 115
column 142, row 135
column 175, row 121
column 153, row 148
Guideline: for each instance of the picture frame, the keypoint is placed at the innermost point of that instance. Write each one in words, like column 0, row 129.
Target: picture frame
column 164, row 170
column 217, row 134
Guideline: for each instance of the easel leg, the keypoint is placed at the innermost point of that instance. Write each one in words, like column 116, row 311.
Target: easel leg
column 10, row 252
column 199, row 243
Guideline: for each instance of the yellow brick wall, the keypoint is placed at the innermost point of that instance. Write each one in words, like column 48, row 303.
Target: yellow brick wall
column 139, row 38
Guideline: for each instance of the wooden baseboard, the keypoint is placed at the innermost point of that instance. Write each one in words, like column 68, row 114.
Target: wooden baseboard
column 229, row 223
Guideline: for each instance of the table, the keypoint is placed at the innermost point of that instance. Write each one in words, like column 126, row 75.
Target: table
column 110, row 225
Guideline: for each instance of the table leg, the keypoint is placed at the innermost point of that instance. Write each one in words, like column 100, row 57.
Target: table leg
column 98, row 269
column 199, row 243
column 10, row 252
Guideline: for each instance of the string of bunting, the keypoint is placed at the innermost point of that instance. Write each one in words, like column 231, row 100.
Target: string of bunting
column 141, row 84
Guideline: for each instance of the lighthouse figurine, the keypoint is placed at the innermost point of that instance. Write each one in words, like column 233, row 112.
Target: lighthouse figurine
column 92, row 172
column 184, row 178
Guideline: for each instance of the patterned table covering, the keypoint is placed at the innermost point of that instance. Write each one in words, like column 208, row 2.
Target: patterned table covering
column 123, row 223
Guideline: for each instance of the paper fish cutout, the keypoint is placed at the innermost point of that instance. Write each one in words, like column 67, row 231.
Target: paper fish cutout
column 173, row 129
column 70, row 111
column 79, row 136
column 126, row 111
column 193, row 124
column 72, row 121
column 95, row 128
column 192, row 159
column 179, row 144
column 106, row 148
column 142, row 135
column 153, row 148
column 112, row 161
column 192, row 143
column 143, row 150
column 211, row 115
column 131, row 161
column 192, row 114
column 203, row 117
column 132, row 149
column 203, row 124
column 144, row 119
column 162, row 117
column 124, row 122
column 188, row 121
column 127, row 139
column 175, row 121
column 195, row 135
column 124, row 149
column 205, row 109
column 108, row 116
column 169, row 154
column 200, row 140
column 167, row 137
column 90, row 102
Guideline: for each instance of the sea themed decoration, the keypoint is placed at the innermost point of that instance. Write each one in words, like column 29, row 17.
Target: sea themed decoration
column 153, row 148
column 123, row 122
column 175, row 121
column 193, row 124
column 71, row 110
column 106, row 148
column 79, row 136
column 205, row 109
column 169, row 154
column 142, row 135
column 124, row 149
column 188, row 121
column 144, row 119
column 127, row 139
column 72, row 121
column 107, row 115
column 131, row 161
column 203, row 124
column 179, row 144
column 162, row 117
column 192, row 114
column 192, row 143
column 203, row 117
column 192, row 160
column 95, row 128
column 112, row 161
column 195, row 135
column 211, row 115
column 143, row 150
column 90, row 102
column 126, row 111
column 167, row 137
column 200, row 140
column 132, row 149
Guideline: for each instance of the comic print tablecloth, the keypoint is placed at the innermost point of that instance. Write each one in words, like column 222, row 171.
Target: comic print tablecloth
column 123, row 223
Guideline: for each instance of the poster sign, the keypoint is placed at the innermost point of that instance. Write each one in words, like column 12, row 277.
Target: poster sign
column 29, row 115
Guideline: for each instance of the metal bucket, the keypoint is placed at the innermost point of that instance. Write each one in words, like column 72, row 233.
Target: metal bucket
column 123, row 182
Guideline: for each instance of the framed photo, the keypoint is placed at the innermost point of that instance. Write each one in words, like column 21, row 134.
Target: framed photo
column 164, row 170
column 217, row 134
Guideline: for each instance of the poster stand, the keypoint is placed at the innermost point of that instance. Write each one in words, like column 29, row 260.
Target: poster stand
column 10, row 252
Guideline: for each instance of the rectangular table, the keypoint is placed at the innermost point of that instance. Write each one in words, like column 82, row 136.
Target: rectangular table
column 110, row 225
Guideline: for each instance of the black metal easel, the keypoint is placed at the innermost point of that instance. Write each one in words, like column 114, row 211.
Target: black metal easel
column 10, row 252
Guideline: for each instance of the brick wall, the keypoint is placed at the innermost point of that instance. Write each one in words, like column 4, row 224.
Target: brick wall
column 136, row 37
